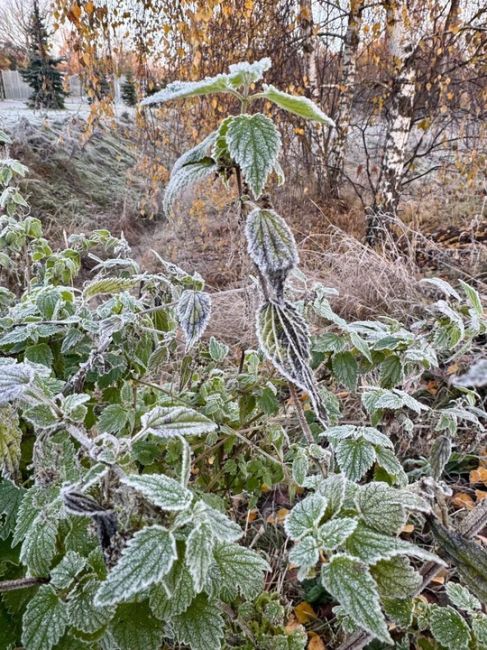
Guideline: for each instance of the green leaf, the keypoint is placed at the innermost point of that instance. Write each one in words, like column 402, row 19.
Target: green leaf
column 66, row 571
column 449, row 628
column 372, row 546
column 439, row 456
column 44, row 621
column 238, row 569
column 186, row 176
column 200, row 626
column 193, row 312
column 10, row 439
column 345, row 369
column 199, row 554
column 218, row 351
column 387, row 459
column 335, row 532
column 479, row 628
column 305, row 553
column 253, row 143
column 390, row 371
column 107, row 286
column 134, row 627
column 350, row 582
column 10, row 500
column 83, row 615
column 160, row 490
column 112, row 419
column 173, row 421
column 175, row 596
column 301, row 106
column 473, row 298
column 333, row 489
column 462, row 598
column 15, row 378
column 41, row 416
column 222, row 527
column 305, row 516
column 39, row 545
column 300, row 467
column 146, row 559
column 400, row 611
column 271, row 246
column 396, row 578
column 379, row 507
column 40, row 353
column 354, row 457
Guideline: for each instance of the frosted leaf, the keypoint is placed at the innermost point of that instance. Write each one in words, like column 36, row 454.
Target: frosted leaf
column 253, row 143
column 245, row 72
column 439, row 456
column 380, row 508
column 354, row 457
column 68, row 568
column 15, row 378
column 146, row 559
column 462, row 598
column 187, row 175
column 173, row 421
column 222, row 527
column 333, row 489
column 39, row 545
column 184, row 89
column 449, row 628
column 335, row 532
column 305, row 516
column 350, row 582
column 107, row 286
column 193, row 313
column 160, row 490
column 199, row 554
column 271, row 246
column 301, row 106
column 238, row 569
column 305, row 553
column 197, row 153
column 396, row 578
column 175, row 595
column 200, row 626
column 83, row 615
column 10, row 439
column 133, row 628
column 44, row 621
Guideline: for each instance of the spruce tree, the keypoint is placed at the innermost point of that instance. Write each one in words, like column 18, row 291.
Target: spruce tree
column 41, row 73
column 129, row 92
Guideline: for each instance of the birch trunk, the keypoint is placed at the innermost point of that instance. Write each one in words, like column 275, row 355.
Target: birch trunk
column 349, row 67
column 401, row 46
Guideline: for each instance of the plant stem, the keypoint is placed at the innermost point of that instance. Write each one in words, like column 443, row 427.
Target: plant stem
column 21, row 583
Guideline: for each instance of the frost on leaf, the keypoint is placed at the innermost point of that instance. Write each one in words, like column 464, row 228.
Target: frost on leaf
column 396, row 578
column 145, row 560
column 200, row 626
column 271, row 246
column 335, row 532
column 253, row 143
column 10, row 439
column 186, row 175
column 354, row 457
column 44, row 621
column 175, row 595
column 238, row 569
column 107, row 286
column 185, row 89
column 462, row 598
column 134, row 627
column 39, row 545
column 380, row 507
column 193, row 312
column 222, row 527
column 305, row 516
column 15, row 378
column 66, row 571
column 284, row 339
column 350, row 582
column 173, row 421
column 449, row 628
column 305, row 553
column 301, row 106
column 199, row 554
column 160, row 490
column 83, row 615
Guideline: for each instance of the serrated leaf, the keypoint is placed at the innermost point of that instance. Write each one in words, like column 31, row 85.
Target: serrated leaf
column 305, row 553
column 175, row 596
column 396, row 578
column 200, row 626
column 297, row 105
column 345, row 369
column 350, row 582
column 371, row 546
column 184, row 177
column 66, row 571
column 222, row 527
column 305, row 516
column 83, row 615
column 462, row 598
column 387, row 459
column 39, row 545
column 39, row 353
column 10, row 439
column 439, row 456
column 10, row 499
column 145, row 560
column 335, row 532
column 193, row 313
column 160, row 490
column 253, row 143
column 479, row 628
column 15, row 378
column 390, row 371
column 107, row 286
column 300, row 468
column 449, row 628
column 199, row 554
column 134, row 627
column 238, row 569
column 173, row 421
column 400, row 611
column 271, row 246
column 473, row 298
column 354, row 457
column 333, row 489
column 378, row 506
column 44, row 621
column 284, row 339
column 40, row 416
column 112, row 419
column 218, row 350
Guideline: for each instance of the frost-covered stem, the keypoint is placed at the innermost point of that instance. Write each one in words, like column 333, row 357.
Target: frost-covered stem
column 21, row 583
column 303, row 423
column 401, row 46
column 347, row 81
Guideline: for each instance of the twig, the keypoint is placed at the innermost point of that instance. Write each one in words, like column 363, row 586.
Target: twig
column 21, row 583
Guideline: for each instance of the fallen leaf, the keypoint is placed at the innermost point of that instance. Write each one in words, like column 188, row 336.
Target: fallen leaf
column 315, row 642
column 480, row 494
column 407, row 528
column 463, row 500
column 479, row 475
column 252, row 515
column 304, row 612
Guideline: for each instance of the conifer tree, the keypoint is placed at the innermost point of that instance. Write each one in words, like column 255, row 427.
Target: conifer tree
column 41, row 73
column 129, row 92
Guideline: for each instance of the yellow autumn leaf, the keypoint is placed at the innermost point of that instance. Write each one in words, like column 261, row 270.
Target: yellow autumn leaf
column 304, row 612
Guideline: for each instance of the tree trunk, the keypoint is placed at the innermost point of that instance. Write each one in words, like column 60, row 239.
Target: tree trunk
column 401, row 46
column 347, row 82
